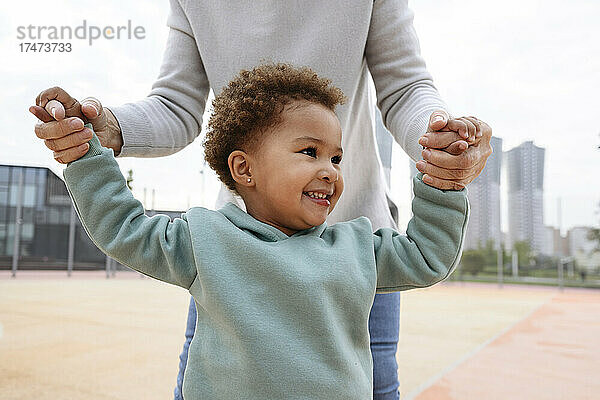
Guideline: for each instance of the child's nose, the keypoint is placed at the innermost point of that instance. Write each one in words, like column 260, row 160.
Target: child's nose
column 329, row 174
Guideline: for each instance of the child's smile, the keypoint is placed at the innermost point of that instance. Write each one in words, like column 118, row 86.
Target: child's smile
column 295, row 173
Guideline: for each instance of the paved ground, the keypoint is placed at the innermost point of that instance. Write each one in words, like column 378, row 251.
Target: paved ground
column 93, row 338
column 553, row 353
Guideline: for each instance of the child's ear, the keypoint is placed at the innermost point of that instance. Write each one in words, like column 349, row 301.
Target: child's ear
column 239, row 168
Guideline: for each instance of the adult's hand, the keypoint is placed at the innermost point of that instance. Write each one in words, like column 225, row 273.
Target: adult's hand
column 62, row 124
column 456, row 151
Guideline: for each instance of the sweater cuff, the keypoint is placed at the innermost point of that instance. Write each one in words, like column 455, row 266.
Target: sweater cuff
column 134, row 129
column 416, row 129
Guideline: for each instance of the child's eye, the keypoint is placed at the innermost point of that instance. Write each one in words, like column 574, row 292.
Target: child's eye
column 336, row 159
column 310, row 151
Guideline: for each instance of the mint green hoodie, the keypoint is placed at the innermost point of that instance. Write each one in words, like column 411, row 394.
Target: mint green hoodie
column 279, row 317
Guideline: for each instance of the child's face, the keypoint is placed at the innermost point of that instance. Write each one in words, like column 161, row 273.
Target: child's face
column 300, row 155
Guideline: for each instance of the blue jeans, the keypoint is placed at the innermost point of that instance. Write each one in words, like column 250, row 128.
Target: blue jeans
column 384, row 323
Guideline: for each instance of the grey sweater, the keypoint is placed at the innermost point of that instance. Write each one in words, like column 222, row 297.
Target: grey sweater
column 211, row 41
column 279, row 317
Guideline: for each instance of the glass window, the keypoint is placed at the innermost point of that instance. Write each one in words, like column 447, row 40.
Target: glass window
column 15, row 175
column 10, row 234
column 41, row 192
column 40, row 216
column 26, row 231
column 3, row 194
column 30, row 174
column 29, row 196
column 28, row 199
column 4, row 211
column 4, row 170
column 27, row 214
column 13, row 195
column 53, row 215
column 65, row 215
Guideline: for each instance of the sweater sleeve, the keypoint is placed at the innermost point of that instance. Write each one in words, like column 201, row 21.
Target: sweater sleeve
column 406, row 95
column 170, row 117
column 115, row 221
column 433, row 244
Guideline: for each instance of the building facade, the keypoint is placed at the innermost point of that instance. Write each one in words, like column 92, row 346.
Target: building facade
column 525, row 173
column 484, row 198
column 41, row 199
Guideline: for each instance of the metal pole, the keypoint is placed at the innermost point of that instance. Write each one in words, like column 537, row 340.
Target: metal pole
column 18, row 223
column 570, row 269
column 560, row 274
column 500, row 262
column 515, row 264
column 107, row 266
column 71, row 241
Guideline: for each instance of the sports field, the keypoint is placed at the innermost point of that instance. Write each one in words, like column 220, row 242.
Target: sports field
column 87, row 337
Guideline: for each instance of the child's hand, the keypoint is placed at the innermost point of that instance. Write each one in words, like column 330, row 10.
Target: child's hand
column 454, row 157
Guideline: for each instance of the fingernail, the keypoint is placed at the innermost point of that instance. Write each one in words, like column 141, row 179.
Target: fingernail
column 76, row 124
column 423, row 141
column 94, row 107
column 427, row 179
column 421, row 165
column 53, row 111
column 438, row 118
column 426, row 153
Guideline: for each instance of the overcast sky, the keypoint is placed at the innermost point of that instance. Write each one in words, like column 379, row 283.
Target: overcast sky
column 528, row 68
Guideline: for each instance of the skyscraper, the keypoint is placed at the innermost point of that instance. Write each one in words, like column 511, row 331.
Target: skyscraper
column 525, row 172
column 484, row 197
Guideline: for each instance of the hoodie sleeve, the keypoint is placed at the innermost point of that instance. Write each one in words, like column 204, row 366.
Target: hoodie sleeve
column 116, row 222
column 433, row 244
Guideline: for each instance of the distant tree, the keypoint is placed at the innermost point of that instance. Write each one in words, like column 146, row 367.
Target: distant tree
column 523, row 248
column 490, row 253
column 472, row 262
column 130, row 179
column 594, row 234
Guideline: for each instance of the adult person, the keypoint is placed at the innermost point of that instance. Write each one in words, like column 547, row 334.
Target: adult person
column 210, row 42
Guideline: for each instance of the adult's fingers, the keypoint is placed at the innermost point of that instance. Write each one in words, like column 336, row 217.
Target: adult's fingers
column 441, row 140
column 72, row 140
column 471, row 129
column 58, row 129
column 41, row 113
column 464, row 176
column 478, row 125
column 437, row 120
column 71, row 105
column 91, row 107
column 442, row 183
column 457, row 147
column 440, row 158
column 56, row 109
column 72, row 154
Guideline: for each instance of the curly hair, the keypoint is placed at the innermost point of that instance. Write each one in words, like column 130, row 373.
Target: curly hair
column 253, row 102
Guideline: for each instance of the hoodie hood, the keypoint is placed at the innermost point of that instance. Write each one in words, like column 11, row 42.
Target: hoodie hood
column 261, row 230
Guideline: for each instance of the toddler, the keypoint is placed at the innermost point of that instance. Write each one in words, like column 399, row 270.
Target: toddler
column 283, row 299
